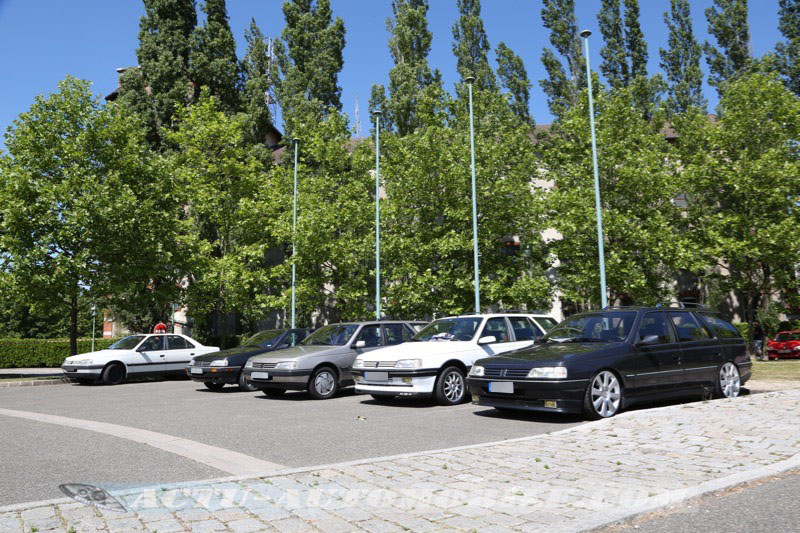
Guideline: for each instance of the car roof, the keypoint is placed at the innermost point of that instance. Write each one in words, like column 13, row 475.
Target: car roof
column 491, row 315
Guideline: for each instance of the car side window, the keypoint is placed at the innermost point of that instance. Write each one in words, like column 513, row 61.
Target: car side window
column 724, row 330
column 524, row 329
column 150, row 344
column 687, row 327
column 371, row 335
column 175, row 342
column 291, row 339
column 654, row 324
column 498, row 328
column 396, row 334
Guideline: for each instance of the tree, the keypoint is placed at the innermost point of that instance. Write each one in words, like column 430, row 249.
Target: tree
column 727, row 22
column 615, row 55
column 789, row 52
column 161, row 85
column 514, row 78
column 681, row 62
column 644, row 246
column 634, row 40
column 214, row 163
column 259, row 71
column 471, row 46
column 741, row 174
column 212, row 61
column 310, row 60
column 562, row 86
column 85, row 211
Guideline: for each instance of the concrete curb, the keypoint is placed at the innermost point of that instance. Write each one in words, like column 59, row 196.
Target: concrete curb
column 33, row 383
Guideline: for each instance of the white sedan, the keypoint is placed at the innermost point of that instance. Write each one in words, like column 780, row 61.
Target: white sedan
column 436, row 360
column 135, row 356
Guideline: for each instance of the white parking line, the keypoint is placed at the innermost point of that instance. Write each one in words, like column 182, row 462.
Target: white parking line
column 234, row 463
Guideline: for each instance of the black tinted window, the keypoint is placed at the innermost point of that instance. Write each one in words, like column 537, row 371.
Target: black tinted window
column 654, row 324
column 687, row 327
column 176, row 342
column 524, row 330
column 724, row 330
column 396, row 334
column 153, row 343
column 371, row 335
column 498, row 328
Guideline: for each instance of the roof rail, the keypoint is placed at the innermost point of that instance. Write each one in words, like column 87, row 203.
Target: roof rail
column 681, row 305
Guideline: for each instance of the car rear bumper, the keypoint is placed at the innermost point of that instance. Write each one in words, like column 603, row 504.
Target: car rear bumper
column 562, row 396
column 224, row 374
column 411, row 382
column 278, row 379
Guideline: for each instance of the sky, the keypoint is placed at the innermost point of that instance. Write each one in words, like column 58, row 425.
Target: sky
column 42, row 41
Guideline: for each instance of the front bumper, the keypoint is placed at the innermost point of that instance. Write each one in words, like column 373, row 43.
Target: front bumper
column 560, row 396
column 76, row 372
column 397, row 382
column 224, row 374
column 278, row 379
column 783, row 354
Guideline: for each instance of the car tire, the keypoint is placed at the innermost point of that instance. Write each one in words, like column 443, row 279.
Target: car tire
column 604, row 396
column 380, row 398
column 451, row 387
column 113, row 374
column 274, row 393
column 214, row 385
column 729, row 381
column 245, row 385
column 324, row 383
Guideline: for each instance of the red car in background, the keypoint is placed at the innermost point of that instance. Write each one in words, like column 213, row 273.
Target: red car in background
column 785, row 344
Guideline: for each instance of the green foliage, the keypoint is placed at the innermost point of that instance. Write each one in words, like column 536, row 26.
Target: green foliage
column 727, row 22
column 615, row 56
column 741, row 176
column 681, row 62
column 789, row 52
column 514, row 78
column 471, row 46
column 563, row 85
column 644, row 246
column 258, row 72
column 36, row 353
column 634, row 40
column 85, row 211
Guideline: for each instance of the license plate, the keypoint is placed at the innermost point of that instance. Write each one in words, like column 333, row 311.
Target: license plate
column 784, row 351
column 260, row 375
column 505, row 387
column 196, row 370
column 376, row 376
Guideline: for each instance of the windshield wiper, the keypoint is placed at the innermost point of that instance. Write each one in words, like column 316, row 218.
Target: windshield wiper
column 586, row 339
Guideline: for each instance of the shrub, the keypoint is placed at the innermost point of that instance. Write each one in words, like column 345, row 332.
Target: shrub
column 743, row 328
column 21, row 353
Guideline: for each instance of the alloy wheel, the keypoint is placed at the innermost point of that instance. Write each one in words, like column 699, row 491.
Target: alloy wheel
column 729, row 381
column 453, row 387
column 606, row 394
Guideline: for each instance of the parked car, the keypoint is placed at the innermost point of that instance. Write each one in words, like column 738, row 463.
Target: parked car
column 600, row 362
column 786, row 344
column 216, row 369
column 322, row 363
column 437, row 359
column 135, row 356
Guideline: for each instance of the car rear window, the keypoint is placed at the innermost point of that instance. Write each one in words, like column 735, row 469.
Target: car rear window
column 723, row 329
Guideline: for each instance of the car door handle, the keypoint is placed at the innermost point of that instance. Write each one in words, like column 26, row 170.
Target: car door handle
column 676, row 357
column 191, row 354
column 162, row 355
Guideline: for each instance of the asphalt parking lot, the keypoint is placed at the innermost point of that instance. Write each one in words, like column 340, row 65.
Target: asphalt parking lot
column 160, row 432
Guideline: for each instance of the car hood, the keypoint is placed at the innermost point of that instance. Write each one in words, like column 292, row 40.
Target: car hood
column 239, row 351
column 297, row 352
column 557, row 353
column 100, row 356
column 413, row 350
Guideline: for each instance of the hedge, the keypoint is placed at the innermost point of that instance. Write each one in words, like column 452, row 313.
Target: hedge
column 23, row 353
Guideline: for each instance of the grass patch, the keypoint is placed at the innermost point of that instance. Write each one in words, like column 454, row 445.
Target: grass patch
column 787, row 370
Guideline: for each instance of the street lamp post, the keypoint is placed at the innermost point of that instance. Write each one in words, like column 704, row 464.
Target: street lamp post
column 603, row 297
column 377, row 114
column 296, row 143
column 94, row 315
column 470, row 80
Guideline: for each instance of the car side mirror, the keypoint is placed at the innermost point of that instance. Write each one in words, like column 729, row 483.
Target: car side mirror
column 647, row 340
column 489, row 339
column 358, row 344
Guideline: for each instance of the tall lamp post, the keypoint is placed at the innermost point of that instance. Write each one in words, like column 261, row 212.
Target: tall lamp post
column 470, row 80
column 603, row 298
column 94, row 315
column 377, row 114
column 296, row 143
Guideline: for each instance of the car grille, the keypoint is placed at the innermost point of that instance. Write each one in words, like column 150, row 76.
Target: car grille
column 264, row 365
column 202, row 363
column 378, row 364
column 509, row 373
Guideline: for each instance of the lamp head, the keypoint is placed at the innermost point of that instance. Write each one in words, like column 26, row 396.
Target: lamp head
column 377, row 112
column 470, row 79
column 586, row 33
column 295, row 141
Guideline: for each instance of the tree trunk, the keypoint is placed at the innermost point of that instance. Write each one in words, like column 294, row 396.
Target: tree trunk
column 73, row 323
column 223, row 329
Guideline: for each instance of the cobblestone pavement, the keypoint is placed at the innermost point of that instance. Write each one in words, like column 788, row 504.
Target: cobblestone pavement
column 571, row 480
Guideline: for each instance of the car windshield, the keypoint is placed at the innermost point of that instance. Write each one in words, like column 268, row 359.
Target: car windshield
column 127, row 343
column 609, row 326
column 793, row 336
column 265, row 338
column 332, row 335
column 448, row 329
column 546, row 322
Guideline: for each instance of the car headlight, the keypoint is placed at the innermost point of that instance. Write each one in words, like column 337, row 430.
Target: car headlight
column 408, row 363
column 549, row 372
column 81, row 362
column 796, row 348
column 358, row 363
column 286, row 365
column 476, row 371
column 219, row 362
column 249, row 364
